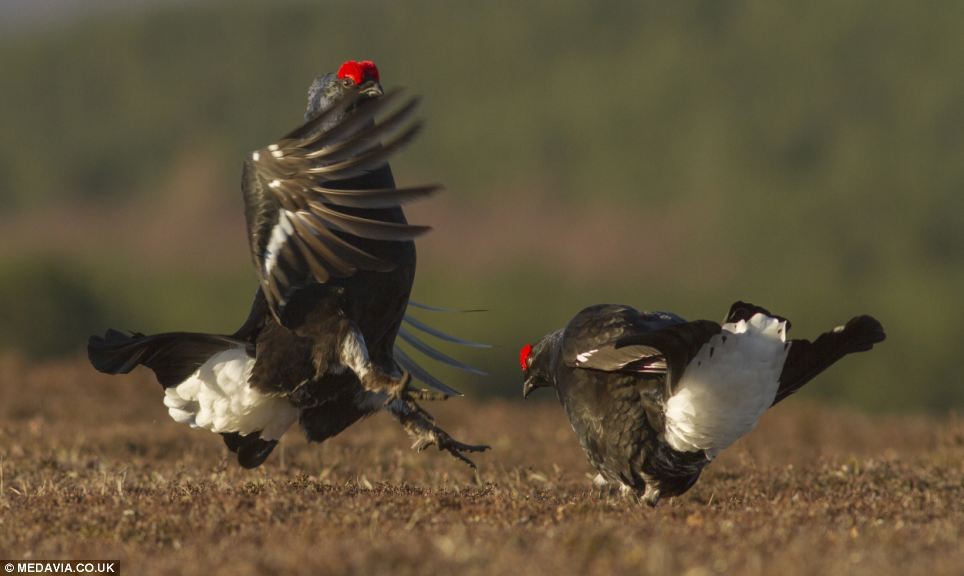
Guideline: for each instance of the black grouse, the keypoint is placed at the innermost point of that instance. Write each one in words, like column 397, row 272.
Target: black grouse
column 654, row 398
column 336, row 260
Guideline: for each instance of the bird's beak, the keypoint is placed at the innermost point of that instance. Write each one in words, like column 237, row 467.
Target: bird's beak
column 372, row 89
column 527, row 389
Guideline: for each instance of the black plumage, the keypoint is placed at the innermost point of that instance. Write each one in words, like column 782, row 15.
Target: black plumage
column 335, row 259
column 653, row 398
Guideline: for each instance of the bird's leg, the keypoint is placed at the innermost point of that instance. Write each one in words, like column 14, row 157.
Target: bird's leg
column 600, row 483
column 354, row 355
column 651, row 495
column 422, row 428
column 605, row 487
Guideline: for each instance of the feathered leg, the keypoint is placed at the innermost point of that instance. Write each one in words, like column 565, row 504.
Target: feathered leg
column 354, row 354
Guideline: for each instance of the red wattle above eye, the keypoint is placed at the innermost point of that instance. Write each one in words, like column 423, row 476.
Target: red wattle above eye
column 524, row 356
column 359, row 72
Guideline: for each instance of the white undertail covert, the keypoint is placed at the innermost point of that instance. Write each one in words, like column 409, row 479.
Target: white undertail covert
column 728, row 385
column 217, row 397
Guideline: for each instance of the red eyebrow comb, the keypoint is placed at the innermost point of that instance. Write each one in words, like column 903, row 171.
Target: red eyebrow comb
column 524, row 356
column 359, row 71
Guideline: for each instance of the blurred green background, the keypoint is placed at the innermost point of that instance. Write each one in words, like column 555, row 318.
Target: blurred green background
column 676, row 156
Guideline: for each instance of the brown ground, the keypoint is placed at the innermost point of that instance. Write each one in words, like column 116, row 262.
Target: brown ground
column 92, row 468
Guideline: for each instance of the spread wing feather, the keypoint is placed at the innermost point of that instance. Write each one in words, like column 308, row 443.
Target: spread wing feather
column 294, row 208
column 431, row 308
column 418, row 372
column 436, row 355
column 422, row 326
column 421, row 374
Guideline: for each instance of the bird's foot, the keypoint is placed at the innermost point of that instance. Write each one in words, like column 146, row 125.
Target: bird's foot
column 651, row 495
column 421, row 426
column 443, row 441
column 604, row 487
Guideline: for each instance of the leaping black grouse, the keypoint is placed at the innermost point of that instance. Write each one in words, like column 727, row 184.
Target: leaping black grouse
column 654, row 398
column 336, row 260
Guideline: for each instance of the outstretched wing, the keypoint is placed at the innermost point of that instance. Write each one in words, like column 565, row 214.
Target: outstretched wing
column 303, row 226
column 408, row 335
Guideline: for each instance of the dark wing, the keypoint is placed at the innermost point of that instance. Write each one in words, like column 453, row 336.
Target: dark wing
column 591, row 338
column 675, row 346
column 408, row 335
column 298, row 218
column 601, row 324
column 609, row 358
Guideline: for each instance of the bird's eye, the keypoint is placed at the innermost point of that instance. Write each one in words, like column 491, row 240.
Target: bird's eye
column 347, row 82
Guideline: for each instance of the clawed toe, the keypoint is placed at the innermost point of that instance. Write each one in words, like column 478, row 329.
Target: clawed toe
column 461, row 447
column 446, row 443
column 422, row 428
column 456, row 448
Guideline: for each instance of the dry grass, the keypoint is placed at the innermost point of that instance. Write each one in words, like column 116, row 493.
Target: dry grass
column 92, row 468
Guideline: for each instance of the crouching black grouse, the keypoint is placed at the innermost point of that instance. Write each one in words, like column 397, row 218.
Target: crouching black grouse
column 653, row 398
column 336, row 260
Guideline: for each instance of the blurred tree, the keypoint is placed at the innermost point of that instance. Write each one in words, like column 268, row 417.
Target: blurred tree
column 47, row 303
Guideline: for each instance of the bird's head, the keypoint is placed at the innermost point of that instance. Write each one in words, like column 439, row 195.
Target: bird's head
column 352, row 75
column 536, row 364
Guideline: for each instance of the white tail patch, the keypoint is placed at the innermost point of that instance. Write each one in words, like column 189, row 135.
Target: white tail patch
column 217, row 397
column 727, row 386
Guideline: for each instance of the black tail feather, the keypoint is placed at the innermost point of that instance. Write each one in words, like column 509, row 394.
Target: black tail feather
column 251, row 449
column 807, row 359
column 172, row 356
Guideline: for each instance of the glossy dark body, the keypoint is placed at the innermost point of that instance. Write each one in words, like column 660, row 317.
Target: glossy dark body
column 335, row 260
column 618, row 416
column 302, row 354
column 614, row 368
